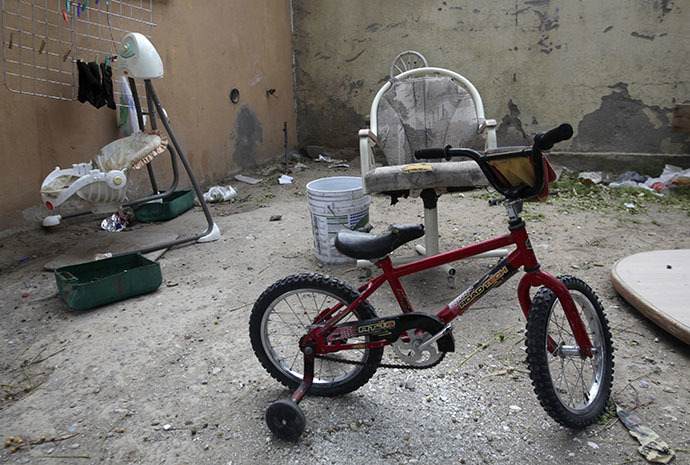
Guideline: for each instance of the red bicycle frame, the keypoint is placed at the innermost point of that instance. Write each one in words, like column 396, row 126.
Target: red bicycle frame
column 522, row 256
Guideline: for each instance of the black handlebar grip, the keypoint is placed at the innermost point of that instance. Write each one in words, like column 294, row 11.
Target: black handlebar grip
column 546, row 140
column 431, row 152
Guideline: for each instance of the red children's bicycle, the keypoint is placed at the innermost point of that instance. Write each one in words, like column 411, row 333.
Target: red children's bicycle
column 317, row 334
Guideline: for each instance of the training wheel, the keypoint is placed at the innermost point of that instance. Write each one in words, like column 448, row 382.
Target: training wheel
column 286, row 420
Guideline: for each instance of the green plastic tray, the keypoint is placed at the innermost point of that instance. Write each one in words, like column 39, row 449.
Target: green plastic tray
column 92, row 284
column 174, row 205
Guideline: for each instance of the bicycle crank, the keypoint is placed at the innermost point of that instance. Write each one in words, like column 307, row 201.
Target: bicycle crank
column 416, row 347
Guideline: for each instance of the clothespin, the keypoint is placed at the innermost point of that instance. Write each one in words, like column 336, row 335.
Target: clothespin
column 64, row 15
column 86, row 3
column 79, row 10
column 67, row 54
column 67, row 2
column 11, row 37
column 43, row 46
column 107, row 60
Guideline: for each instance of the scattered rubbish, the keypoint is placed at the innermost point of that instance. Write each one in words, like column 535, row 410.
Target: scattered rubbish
column 275, row 218
column 332, row 163
column 270, row 170
column 632, row 184
column 591, row 177
column 299, row 167
column 409, row 383
column 25, row 295
column 633, row 176
column 339, row 165
column 631, row 206
column 652, row 448
column 220, row 194
column 115, row 223
column 593, row 445
column 247, row 179
column 285, row 179
column 25, row 259
column 672, row 177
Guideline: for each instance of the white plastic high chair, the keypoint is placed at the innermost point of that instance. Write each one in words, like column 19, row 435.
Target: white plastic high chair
column 419, row 108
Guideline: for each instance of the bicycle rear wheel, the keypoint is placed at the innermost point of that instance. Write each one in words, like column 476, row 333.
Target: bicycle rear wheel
column 285, row 312
column 572, row 388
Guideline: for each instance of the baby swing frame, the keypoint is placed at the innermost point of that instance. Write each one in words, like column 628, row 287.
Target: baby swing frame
column 153, row 103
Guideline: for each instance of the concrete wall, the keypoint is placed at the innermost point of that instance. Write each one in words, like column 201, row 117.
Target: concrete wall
column 207, row 48
column 615, row 70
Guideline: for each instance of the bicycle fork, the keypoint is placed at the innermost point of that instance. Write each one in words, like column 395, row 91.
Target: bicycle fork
column 540, row 278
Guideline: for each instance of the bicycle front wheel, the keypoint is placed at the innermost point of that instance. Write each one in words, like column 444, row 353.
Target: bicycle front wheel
column 285, row 312
column 573, row 388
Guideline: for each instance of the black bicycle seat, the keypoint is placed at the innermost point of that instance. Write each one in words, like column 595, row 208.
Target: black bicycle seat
column 357, row 244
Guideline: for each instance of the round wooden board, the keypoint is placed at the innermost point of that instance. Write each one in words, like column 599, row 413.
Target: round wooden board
column 657, row 284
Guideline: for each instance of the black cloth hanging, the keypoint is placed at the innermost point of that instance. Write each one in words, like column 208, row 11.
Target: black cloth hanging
column 93, row 88
column 107, row 85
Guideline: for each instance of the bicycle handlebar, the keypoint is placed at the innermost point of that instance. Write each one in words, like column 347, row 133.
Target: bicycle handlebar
column 433, row 152
column 544, row 140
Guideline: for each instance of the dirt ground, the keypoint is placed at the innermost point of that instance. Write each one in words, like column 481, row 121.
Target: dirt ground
column 170, row 377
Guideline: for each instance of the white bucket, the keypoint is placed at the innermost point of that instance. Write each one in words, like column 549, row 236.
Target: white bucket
column 336, row 203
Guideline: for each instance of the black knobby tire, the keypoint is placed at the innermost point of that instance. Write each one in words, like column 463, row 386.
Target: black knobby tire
column 572, row 388
column 285, row 312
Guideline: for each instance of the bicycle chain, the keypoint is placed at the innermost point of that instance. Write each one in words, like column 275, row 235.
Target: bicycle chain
column 383, row 365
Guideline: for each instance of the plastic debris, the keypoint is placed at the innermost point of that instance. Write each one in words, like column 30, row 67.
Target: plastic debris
column 275, row 218
column 285, row 179
column 332, row 163
column 672, row 177
column 115, row 223
column 339, row 165
column 652, row 448
column 633, row 176
column 591, row 177
column 247, row 179
column 220, row 194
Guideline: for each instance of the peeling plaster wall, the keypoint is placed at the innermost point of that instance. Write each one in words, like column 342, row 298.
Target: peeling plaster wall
column 615, row 70
column 208, row 48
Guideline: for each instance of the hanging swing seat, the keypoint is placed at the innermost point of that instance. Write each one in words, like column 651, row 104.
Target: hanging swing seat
column 103, row 180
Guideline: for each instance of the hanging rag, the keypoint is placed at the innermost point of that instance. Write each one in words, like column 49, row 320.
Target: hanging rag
column 90, row 88
column 93, row 88
column 107, row 85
